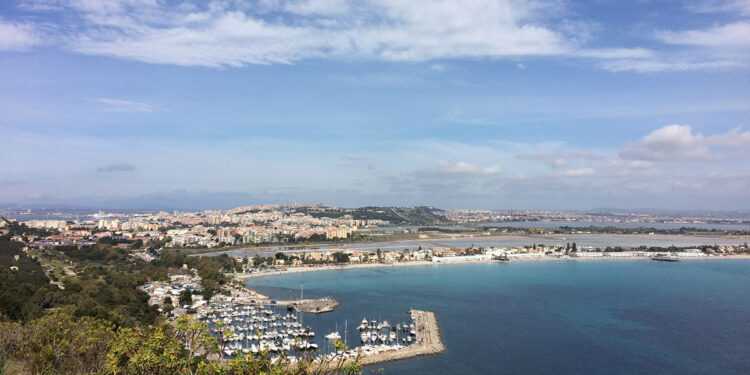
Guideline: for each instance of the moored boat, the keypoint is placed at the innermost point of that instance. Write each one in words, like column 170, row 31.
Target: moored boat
column 665, row 257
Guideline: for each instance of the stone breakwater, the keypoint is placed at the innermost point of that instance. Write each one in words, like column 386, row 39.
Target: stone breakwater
column 428, row 341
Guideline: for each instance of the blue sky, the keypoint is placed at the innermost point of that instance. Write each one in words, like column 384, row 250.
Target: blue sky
column 457, row 104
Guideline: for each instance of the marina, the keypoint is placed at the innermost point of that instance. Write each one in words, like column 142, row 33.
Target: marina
column 255, row 330
column 427, row 341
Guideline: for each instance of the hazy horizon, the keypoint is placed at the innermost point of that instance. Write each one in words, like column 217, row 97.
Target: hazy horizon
column 187, row 203
column 454, row 104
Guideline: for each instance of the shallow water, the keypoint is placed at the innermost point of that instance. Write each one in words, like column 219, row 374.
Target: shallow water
column 600, row 317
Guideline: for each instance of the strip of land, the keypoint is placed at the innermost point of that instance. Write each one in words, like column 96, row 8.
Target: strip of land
column 342, row 267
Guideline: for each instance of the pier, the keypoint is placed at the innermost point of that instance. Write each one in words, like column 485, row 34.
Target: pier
column 428, row 342
column 315, row 306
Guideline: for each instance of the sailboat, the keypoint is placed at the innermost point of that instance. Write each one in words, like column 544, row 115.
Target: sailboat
column 334, row 335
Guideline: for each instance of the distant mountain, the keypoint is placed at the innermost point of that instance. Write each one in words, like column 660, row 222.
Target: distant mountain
column 173, row 200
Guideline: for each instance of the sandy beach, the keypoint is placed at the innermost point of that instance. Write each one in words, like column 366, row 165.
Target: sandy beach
column 429, row 263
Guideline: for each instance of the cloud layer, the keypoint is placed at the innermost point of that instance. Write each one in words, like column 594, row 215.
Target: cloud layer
column 237, row 33
column 661, row 169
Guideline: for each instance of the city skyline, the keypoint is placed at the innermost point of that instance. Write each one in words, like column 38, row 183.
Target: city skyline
column 529, row 106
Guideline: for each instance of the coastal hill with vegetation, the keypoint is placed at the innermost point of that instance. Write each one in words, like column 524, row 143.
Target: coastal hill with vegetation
column 78, row 310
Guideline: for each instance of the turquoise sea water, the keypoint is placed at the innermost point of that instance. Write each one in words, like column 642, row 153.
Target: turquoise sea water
column 557, row 317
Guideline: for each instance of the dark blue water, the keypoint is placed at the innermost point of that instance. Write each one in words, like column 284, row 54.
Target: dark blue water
column 557, row 317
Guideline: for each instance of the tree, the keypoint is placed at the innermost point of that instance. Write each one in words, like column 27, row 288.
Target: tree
column 341, row 257
column 167, row 305
column 257, row 260
column 281, row 256
column 186, row 298
column 60, row 343
column 57, row 343
column 183, row 349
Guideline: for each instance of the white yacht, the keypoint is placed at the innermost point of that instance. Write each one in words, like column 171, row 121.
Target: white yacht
column 333, row 336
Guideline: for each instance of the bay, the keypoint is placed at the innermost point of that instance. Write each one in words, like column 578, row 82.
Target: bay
column 563, row 317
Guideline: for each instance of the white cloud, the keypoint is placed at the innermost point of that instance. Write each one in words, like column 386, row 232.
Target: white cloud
column 712, row 47
column 730, row 35
column 735, row 138
column 313, row 7
column 581, row 154
column 639, row 164
column 672, row 142
column 391, row 30
column 464, row 168
column 578, row 172
column 677, row 142
column 669, row 65
column 119, row 105
column 631, row 169
column 17, row 36
column 554, row 160
column 616, row 53
column 713, row 6
column 353, row 157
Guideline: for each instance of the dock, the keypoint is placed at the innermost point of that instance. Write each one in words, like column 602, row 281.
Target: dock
column 429, row 341
column 315, row 306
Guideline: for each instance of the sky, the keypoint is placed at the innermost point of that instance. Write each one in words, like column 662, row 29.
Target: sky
column 482, row 104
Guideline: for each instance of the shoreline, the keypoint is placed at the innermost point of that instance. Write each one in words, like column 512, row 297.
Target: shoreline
column 487, row 261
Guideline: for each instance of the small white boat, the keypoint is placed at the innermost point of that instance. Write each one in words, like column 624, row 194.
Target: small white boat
column 333, row 336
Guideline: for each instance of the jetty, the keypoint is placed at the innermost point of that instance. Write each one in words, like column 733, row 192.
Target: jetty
column 428, row 341
column 315, row 306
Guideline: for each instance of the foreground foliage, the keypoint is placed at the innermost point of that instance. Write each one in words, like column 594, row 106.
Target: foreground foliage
column 94, row 320
column 61, row 343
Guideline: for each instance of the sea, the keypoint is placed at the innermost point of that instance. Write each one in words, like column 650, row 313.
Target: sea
column 548, row 317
